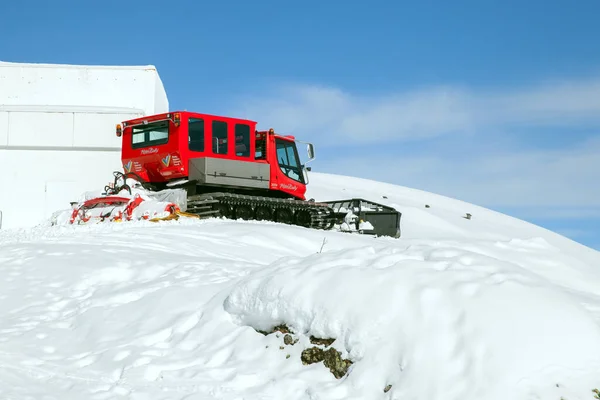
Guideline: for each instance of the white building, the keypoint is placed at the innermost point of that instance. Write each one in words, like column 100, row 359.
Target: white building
column 57, row 132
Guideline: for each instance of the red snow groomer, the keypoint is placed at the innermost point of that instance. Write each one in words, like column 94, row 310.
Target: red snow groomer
column 228, row 168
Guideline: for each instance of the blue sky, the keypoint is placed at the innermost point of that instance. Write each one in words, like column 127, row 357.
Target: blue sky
column 492, row 102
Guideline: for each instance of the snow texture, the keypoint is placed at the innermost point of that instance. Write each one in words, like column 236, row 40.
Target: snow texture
column 484, row 308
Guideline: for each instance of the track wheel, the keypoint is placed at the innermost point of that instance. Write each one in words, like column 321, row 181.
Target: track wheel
column 329, row 225
column 244, row 212
column 285, row 216
column 224, row 210
column 303, row 218
column 263, row 213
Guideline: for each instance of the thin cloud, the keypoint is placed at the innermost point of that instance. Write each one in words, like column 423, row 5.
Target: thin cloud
column 565, row 178
column 333, row 115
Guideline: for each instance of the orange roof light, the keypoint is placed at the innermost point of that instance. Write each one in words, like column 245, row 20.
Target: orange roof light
column 119, row 130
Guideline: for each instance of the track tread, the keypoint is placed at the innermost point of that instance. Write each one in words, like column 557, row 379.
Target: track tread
column 320, row 215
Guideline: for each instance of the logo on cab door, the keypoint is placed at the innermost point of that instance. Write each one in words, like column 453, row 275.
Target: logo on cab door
column 288, row 186
column 150, row 150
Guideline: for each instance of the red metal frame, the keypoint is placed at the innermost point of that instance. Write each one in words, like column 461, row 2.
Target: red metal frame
column 169, row 161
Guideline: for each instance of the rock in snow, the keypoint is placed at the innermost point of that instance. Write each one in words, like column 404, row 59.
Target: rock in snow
column 484, row 308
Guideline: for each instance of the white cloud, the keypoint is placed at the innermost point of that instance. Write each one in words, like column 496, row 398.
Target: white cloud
column 566, row 178
column 558, row 103
column 332, row 115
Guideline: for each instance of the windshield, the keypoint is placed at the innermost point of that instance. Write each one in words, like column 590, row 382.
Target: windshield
column 152, row 134
column 287, row 157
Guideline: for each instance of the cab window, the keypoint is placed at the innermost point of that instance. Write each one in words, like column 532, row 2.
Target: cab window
column 152, row 134
column 196, row 134
column 260, row 150
column 288, row 160
column 242, row 140
column 219, row 137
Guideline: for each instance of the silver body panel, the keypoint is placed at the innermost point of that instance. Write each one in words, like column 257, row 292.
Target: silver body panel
column 223, row 172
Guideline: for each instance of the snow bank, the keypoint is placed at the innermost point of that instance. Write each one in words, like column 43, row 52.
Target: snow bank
column 439, row 322
column 486, row 308
column 432, row 216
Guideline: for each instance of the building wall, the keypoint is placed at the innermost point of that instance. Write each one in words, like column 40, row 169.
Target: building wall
column 39, row 182
column 60, row 127
column 81, row 87
column 57, row 132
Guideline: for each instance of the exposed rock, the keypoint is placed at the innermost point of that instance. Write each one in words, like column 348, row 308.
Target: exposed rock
column 283, row 328
column 387, row 388
column 331, row 359
column 320, row 341
column 312, row 355
column 289, row 340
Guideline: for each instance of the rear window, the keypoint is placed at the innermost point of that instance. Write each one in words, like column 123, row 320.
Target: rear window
column 152, row 134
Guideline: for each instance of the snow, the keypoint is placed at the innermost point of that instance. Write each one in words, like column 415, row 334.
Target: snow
column 484, row 308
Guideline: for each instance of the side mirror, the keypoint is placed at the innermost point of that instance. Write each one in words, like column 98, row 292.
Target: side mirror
column 311, row 151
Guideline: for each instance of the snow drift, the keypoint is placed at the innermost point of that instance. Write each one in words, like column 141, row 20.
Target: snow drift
column 489, row 307
column 440, row 323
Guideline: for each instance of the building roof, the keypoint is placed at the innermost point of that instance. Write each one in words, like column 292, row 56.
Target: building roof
column 31, row 85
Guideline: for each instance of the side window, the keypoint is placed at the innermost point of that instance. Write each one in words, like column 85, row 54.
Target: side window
column 242, row 140
column 219, row 137
column 196, row 134
column 291, row 156
column 282, row 156
column 260, row 150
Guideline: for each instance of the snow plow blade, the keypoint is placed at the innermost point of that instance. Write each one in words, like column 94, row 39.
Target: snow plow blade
column 175, row 216
column 366, row 217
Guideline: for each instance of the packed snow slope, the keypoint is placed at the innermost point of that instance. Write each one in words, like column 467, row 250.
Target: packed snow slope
column 483, row 308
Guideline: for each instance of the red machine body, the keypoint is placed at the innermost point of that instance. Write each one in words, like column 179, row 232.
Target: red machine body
column 213, row 151
column 230, row 169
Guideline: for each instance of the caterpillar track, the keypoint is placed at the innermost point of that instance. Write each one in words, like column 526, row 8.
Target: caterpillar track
column 288, row 211
column 324, row 215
